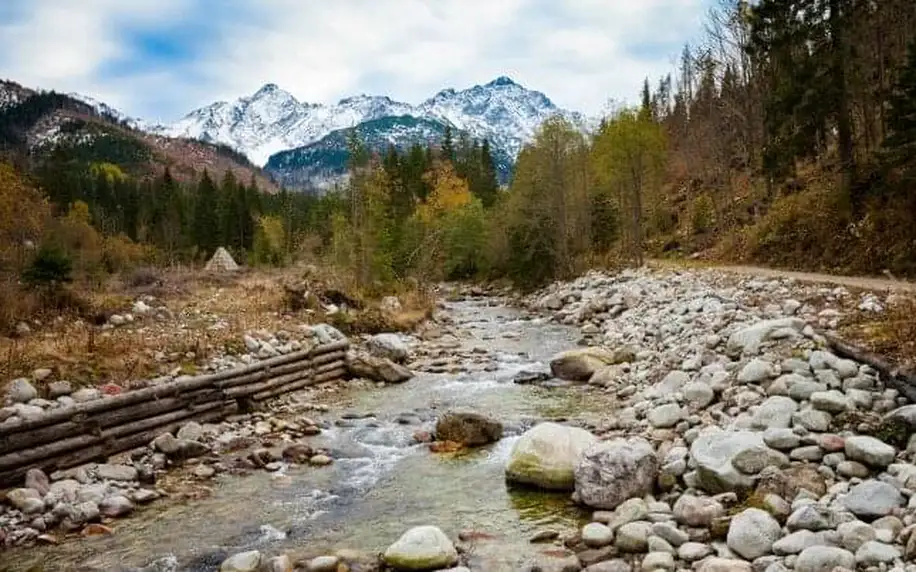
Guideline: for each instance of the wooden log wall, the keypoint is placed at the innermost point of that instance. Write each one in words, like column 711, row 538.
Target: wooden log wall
column 92, row 431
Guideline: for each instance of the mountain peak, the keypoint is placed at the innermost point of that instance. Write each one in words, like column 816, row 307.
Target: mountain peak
column 267, row 88
column 501, row 81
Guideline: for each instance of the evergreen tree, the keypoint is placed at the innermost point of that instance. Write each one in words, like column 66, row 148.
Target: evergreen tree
column 488, row 184
column 205, row 228
column 448, row 144
column 900, row 143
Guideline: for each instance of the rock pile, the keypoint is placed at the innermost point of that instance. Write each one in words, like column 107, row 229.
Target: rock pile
column 741, row 443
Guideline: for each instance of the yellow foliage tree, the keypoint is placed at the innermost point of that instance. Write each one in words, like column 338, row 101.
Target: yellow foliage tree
column 269, row 240
column 450, row 193
column 111, row 172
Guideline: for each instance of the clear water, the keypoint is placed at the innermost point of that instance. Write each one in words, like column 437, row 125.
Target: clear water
column 381, row 482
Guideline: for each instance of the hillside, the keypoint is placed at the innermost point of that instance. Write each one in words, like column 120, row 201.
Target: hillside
column 41, row 128
column 323, row 163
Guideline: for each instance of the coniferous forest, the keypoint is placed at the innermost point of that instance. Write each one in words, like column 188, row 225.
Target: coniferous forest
column 786, row 136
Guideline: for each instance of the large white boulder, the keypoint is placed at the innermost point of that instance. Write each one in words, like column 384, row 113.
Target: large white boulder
column 421, row 548
column 546, row 456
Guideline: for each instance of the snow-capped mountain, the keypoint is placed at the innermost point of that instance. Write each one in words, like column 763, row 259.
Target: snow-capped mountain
column 272, row 120
column 322, row 164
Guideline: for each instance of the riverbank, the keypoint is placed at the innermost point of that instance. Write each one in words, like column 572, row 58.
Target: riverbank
column 710, row 352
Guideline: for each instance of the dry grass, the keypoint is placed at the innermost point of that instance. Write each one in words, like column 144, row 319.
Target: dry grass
column 891, row 333
column 209, row 315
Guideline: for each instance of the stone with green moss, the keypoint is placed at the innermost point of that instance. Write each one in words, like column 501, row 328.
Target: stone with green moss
column 546, row 455
column 421, row 548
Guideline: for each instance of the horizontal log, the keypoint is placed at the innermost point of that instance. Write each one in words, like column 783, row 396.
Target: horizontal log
column 35, row 454
column 300, row 384
column 101, row 451
column 95, row 424
column 902, row 381
column 327, row 348
column 264, row 374
column 330, row 366
column 328, row 357
column 173, row 388
column 251, row 389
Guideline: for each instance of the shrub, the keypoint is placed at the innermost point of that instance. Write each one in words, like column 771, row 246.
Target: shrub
column 50, row 269
column 702, row 214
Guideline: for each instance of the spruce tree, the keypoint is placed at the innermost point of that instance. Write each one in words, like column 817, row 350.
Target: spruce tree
column 205, row 228
column 448, row 144
column 900, row 144
column 488, row 185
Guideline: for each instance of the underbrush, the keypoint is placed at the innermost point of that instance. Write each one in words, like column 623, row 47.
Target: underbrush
column 891, row 333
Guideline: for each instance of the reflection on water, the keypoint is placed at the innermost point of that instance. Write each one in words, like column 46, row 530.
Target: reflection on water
column 380, row 484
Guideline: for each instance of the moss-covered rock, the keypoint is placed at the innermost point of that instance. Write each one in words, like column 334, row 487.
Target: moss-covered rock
column 546, row 455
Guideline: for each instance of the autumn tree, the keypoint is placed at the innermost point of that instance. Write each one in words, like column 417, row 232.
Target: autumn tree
column 628, row 156
column 548, row 218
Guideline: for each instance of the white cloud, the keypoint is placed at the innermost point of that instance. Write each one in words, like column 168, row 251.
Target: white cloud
column 579, row 52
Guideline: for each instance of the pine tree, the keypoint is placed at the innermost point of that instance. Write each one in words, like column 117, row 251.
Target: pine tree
column 205, row 228
column 448, row 144
column 488, row 185
column 900, row 143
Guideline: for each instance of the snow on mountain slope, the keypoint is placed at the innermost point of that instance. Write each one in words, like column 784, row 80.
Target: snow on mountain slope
column 502, row 111
column 272, row 120
column 11, row 93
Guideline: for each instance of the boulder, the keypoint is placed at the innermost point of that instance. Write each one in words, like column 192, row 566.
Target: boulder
column 751, row 533
column 388, row 346
column 21, row 391
column 824, row 559
column 581, row 364
column 36, row 479
column 421, row 548
column 251, row 561
column 546, row 456
column 610, row 472
column 870, row 451
column 872, row 499
column 179, row 448
column 467, row 428
column 774, row 413
column 748, row 340
column 376, row 368
column 713, row 452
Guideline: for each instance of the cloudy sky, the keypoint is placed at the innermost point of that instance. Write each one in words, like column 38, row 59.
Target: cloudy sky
column 158, row 59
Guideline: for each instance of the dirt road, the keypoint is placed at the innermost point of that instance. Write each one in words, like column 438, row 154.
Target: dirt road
column 863, row 282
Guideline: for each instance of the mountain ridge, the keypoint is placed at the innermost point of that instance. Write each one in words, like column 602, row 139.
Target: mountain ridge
column 272, row 120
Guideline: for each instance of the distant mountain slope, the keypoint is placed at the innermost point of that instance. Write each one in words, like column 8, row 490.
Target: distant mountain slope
column 48, row 126
column 324, row 162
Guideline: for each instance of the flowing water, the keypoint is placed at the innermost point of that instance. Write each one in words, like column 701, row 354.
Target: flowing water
column 381, row 482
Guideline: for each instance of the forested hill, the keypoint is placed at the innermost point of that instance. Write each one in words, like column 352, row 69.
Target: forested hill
column 46, row 129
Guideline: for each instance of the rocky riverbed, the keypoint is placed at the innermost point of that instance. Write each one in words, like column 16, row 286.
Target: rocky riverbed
column 650, row 420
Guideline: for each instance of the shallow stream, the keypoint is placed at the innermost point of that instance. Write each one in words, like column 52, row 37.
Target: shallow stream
column 382, row 482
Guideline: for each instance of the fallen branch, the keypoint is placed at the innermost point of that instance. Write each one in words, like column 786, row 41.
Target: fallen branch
column 902, row 381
